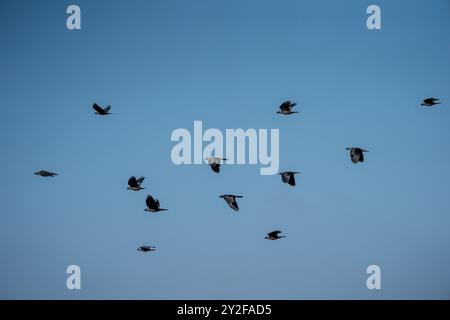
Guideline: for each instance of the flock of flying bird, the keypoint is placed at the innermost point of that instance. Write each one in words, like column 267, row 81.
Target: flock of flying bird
column 152, row 204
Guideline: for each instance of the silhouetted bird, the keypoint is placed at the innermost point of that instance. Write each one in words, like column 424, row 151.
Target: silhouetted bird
column 214, row 163
column 274, row 235
column 288, row 177
column 286, row 108
column 356, row 154
column 230, row 199
column 135, row 184
column 146, row 248
column 152, row 204
column 44, row 173
column 429, row 102
column 100, row 111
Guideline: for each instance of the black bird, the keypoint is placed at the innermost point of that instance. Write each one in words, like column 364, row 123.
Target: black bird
column 135, row 184
column 146, row 248
column 214, row 163
column 101, row 111
column 274, row 235
column 153, row 204
column 429, row 102
column 356, row 154
column 230, row 199
column 44, row 173
column 288, row 177
column 286, row 108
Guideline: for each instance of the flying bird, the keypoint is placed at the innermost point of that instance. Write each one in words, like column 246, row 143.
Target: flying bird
column 230, row 199
column 44, row 173
column 135, row 184
column 274, row 235
column 153, row 204
column 146, row 248
column 214, row 163
column 429, row 102
column 356, row 154
column 101, row 111
column 288, row 177
column 286, row 108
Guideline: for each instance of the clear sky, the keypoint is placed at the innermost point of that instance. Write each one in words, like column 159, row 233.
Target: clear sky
column 163, row 64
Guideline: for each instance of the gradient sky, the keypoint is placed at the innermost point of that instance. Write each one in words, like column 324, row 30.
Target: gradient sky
column 163, row 64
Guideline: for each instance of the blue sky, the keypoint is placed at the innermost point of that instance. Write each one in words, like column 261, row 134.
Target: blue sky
column 162, row 65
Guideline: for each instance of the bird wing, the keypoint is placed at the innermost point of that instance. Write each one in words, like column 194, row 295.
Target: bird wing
column 107, row 109
column 274, row 233
column 292, row 180
column 215, row 167
column 151, row 203
column 97, row 108
column 132, row 182
column 140, row 180
column 233, row 204
column 361, row 157
column 285, row 106
column 212, row 160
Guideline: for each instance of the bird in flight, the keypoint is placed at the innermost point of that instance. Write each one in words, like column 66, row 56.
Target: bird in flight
column 356, row 154
column 288, row 177
column 429, row 102
column 230, row 199
column 135, row 184
column 101, row 111
column 274, row 235
column 153, row 204
column 286, row 108
column 44, row 173
column 214, row 163
column 146, row 248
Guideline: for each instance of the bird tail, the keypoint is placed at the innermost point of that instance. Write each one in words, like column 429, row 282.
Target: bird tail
column 238, row 196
